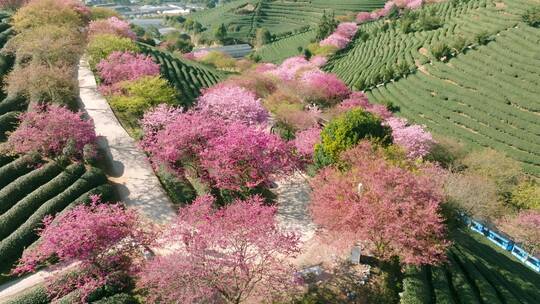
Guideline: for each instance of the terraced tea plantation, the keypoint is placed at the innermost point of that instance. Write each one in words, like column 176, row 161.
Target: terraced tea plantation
column 282, row 49
column 9, row 107
column 31, row 189
column 186, row 76
column 387, row 52
column 243, row 17
column 487, row 97
column 477, row 272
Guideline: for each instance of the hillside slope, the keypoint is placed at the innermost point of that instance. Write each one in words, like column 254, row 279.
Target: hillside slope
column 486, row 96
column 243, row 17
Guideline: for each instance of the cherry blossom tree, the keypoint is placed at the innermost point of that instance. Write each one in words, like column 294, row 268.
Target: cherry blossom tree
column 12, row 5
column 347, row 29
column 226, row 255
column 113, row 25
column 306, row 140
column 156, row 120
column 244, row 158
column 232, row 103
column 392, row 209
column 416, row 141
column 363, row 17
column 47, row 130
column 524, row 228
column 323, row 87
column 289, row 69
column 102, row 238
column 336, row 40
column 122, row 66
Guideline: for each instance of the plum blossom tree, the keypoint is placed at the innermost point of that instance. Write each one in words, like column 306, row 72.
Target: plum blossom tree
column 156, row 120
column 94, row 235
column 244, row 158
column 12, row 5
column 416, row 141
column 363, row 17
column 232, row 103
column 321, row 87
column 335, row 40
column 122, row 66
column 306, row 140
column 392, row 209
column 226, row 255
column 289, row 69
column 347, row 29
column 524, row 228
column 47, row 130
column 112, row 25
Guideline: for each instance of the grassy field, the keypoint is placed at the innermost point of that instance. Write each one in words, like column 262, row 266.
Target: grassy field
column 186, row 76
column 477, row 272
column 243, row 17
column 486, row 96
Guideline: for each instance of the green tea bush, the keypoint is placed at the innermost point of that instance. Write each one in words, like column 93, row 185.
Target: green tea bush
column 23, row 185
column 19, row 167
column 415, row 286
column 8, row 123
column 12, row 246
column 532, row 16
column 346, row 131
column 36, row 295
column 12, row 103
column 14, row 217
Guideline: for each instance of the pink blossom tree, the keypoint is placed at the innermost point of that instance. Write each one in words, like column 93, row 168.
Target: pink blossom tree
column 113, row 26
column 12, row 5
column 122, row 66
column 49, row 129
column 359, row 99
column 233, row 104
column 289, row 69
column 391, row 209
column 347, row 29
column 363, row 17
column 325, row 87
column 229, row 255
column 416, row 141
column 336, row 40
column 244, row 158
column 156, row 120
column 524, row 228
column 102, row 238
column 318, row 61
column 306, row 140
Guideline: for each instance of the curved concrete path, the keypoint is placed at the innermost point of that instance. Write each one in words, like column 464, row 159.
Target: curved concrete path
column 128, row 168
column 293, row 200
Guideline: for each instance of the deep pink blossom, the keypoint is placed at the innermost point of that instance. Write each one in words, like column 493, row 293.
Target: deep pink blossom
column 49, row 129
column 232, row 103
column 416, row 141
column 200, row 54
column 327, row 86
column 245, row 157
column 102, row 238
column 122, row 66
column 113, row 25
column 236, row 252
column 306, row 140
column 393, row 211
column 359, row 99
column 156, row 120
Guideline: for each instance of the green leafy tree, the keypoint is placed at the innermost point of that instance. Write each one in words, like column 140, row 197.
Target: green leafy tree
column 345, row 132
column 327, row 25
column 220, row 32
column 262, row 37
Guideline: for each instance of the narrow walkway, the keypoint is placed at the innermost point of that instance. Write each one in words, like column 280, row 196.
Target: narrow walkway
column 128, row 167
column 293, row 200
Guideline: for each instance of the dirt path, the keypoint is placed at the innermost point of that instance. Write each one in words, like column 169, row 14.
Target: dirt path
column 129, row 169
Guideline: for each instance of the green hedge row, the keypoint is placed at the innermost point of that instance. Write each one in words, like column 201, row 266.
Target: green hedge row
column 8, row 123
column 25, row 184
column 120, row 298
column 15, row 216
column 13, row 103
column 36, row 295
column 6, row 159
column 416, row 289
column 12, row 247
column 17, row 168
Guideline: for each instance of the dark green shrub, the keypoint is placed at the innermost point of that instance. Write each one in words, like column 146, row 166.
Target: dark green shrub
column 346, row 131
column 416, row 288
column 36, row 295
column 483, row 38
column 6, row 159
column 459, row 44
column 16, row 168
column 180, row 191
column 12, row 246
column 8, row 123
column 532, row 16
column 121, row 298
column 15, row 216
column 13, row 103
column 441, row 51
column 25, row 184
column 428, row 22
